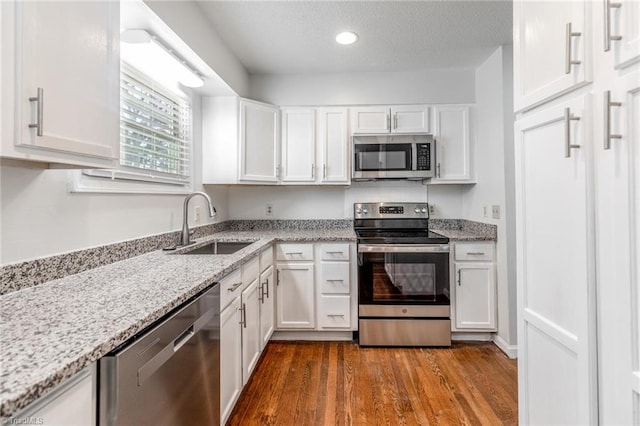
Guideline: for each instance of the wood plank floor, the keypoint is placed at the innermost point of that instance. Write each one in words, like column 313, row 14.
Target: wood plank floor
column 340, row 383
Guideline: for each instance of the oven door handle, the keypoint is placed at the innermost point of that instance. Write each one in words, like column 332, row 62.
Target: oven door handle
column 391, row 248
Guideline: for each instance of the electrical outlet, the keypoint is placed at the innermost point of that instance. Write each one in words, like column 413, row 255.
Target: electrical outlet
column 432, row 209
column 196, row 214
column 485, row 211
column 495, row 211
column 269, row 209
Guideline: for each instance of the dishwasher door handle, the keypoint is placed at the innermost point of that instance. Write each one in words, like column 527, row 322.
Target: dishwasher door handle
column 150, row 367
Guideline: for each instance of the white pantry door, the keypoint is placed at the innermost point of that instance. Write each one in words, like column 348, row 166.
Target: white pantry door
column 556, row 326
column 618, row 198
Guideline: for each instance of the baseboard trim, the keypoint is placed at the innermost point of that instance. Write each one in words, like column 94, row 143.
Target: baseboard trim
column 311, row 335
column 510, row 350
column 472, row 337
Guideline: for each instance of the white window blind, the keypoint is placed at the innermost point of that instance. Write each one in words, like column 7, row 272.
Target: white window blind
column 154, row 129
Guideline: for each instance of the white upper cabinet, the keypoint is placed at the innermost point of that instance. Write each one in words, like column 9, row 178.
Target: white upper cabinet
column 333, row 134
column 622, row 30
column 298, row 145
column 60, row 102
column 240, row 141
column 259, row 135
column 390, row 119
column 551, row 49
column 410, row 119
column 315, row 146
column 453, row 146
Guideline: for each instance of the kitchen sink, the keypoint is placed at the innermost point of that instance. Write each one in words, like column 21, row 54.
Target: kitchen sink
column 220, row 247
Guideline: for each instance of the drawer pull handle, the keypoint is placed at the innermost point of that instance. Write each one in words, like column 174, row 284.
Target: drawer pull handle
column 39, row 99
column 335, row 252
column 608, row 37
column 335, row 281
column 293, row 252
column 568, row 117
column 335, row 315
column 569, row 35
column 475, row 253
column 608, row 103
column 234, row 287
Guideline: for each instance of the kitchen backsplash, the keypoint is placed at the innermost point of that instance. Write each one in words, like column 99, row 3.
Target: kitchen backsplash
column 27, row 274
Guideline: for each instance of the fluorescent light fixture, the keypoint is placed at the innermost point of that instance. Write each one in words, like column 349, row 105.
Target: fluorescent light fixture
column 347, row 37
column 145, row 52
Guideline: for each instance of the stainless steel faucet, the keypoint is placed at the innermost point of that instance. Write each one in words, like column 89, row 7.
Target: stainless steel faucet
column 185, row 238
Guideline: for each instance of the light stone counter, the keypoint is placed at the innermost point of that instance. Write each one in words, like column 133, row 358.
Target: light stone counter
column 51, row 331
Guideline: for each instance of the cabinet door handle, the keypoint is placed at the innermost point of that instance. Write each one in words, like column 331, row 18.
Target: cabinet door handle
column 277, row 276
column 278, row 171
column 459, row 277
column 267, row 292
column 324, row 171
column 261, row 294
column 389, row 122
column 568, row 117
column 438, row 169
column 569, row 37
column 608, row 38
column 607, row 119
column 395, row 120
column 313, row 171
column 39, row 99
column 234, row 287
column 243, row 315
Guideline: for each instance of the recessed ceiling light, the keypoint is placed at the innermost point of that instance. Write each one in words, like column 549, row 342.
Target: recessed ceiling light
column 347, row 37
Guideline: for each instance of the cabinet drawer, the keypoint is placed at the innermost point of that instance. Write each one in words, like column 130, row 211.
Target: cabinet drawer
column 251, row 270
column 230, row 288
column 266, row 258
column 474, row 251
column 288, row 251
column 336, row 251
column 334, row 311
column 334, row 277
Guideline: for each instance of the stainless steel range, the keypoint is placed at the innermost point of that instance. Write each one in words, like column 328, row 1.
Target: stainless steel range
column 403, row 277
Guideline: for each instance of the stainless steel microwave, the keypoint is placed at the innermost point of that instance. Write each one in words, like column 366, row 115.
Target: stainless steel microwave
column 393, row 156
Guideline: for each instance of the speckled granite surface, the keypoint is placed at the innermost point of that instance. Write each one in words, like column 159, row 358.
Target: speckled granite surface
column 464, row 230
column 27, row 274
column 51, row 331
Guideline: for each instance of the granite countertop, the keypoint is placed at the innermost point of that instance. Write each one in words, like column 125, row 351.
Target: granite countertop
column 52, row 331
column 462, row 235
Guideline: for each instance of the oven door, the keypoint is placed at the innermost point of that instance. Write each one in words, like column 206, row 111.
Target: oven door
column 396, row 274
column 383, row 160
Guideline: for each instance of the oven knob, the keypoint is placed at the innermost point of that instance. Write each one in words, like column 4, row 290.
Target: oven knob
column 365, row 211
column 417, row 210
column 423, row 210
column 358, row 210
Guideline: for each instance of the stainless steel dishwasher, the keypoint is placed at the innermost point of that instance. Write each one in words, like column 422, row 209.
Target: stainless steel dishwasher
column 170, row 374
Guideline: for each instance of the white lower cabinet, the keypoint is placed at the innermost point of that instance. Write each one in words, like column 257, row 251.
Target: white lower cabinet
column 295, row 296
column 473, row 287
column 251, row 341
column 267, row 305
column 230, row 357
column 316, row 291
column 71, row 404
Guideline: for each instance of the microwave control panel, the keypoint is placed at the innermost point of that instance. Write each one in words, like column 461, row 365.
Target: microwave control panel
column 424, row 157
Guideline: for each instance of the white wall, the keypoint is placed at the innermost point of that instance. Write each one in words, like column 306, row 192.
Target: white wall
column 434, row 86
column 40, row 217
column 310, row 202
column 490, row 169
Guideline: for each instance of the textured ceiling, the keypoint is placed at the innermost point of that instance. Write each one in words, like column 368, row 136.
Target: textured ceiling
column 284, row 37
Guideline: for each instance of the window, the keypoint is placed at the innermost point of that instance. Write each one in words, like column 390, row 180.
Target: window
column 155, row 141
column 154, row 128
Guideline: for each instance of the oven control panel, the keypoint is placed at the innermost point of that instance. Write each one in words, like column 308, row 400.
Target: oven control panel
column 390, row 210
